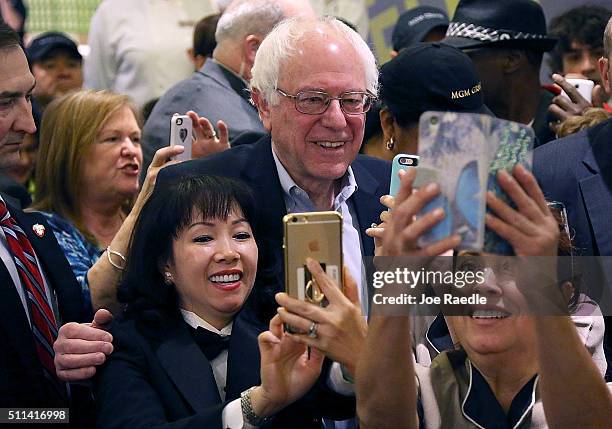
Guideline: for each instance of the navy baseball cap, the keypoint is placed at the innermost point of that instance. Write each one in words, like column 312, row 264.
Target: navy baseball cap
column 41, row 46
column 431, row 76
column 414, row 25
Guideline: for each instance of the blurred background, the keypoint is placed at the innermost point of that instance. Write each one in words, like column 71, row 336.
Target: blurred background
column 73, row 17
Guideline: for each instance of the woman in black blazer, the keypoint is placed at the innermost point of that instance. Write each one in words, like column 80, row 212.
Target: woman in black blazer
column 185, row 354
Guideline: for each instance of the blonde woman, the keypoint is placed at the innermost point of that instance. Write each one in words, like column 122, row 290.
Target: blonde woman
column 87, row 181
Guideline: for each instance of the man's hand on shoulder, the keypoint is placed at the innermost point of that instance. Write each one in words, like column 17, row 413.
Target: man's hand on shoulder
column 80, row 347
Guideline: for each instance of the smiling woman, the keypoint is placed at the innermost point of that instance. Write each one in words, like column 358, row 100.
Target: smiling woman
column 185, row 353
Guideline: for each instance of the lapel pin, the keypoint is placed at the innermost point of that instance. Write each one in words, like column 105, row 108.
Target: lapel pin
column 39, row 230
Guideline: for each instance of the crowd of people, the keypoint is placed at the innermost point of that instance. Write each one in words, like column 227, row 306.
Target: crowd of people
column 138, row 291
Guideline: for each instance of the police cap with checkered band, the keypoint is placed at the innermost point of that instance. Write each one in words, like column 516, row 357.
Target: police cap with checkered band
column 499, row 23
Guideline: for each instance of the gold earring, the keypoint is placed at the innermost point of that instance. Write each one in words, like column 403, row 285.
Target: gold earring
column 390, row 144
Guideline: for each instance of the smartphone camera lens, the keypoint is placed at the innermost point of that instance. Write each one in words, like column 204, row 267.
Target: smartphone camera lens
column 179, row 121
column 294, row 219
column 406, row 161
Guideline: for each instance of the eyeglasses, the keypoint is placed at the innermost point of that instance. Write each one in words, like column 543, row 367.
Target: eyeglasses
column 317, row 102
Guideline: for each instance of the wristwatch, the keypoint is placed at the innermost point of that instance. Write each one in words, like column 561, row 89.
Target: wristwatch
column 247, row 409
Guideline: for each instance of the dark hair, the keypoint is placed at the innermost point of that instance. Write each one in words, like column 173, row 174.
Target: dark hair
column 166, row 213
column 8, row 37
column 204, row 42
column 583, row 24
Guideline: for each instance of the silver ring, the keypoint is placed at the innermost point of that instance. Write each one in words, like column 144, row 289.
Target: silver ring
column 212, row 135
column 374, row 225
column 312, row 331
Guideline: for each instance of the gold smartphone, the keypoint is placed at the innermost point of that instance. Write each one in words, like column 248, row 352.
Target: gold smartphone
column 317, row 235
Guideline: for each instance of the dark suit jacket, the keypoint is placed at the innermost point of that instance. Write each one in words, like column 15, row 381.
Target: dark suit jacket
column 21, row 380
column 212, row 92
column 577, row 171
column 254, row 164
column 158, row 377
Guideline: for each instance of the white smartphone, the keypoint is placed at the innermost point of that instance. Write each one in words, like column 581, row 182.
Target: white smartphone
column 583, row 86
column 181, row 133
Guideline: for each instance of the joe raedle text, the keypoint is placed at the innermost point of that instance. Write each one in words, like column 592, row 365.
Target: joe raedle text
column 446, row 299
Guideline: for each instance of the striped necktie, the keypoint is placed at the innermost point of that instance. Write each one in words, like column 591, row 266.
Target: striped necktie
column 44, row 327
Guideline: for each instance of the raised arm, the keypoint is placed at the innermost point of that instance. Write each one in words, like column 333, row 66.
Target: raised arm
column 103, row 276
column 385, row 378
column 569, row 379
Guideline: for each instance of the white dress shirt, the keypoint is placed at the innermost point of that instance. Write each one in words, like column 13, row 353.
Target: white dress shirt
column 138, row 47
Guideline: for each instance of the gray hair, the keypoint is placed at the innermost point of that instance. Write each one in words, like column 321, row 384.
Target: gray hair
column 281, row 44
column 244, row 17
column 607, row 41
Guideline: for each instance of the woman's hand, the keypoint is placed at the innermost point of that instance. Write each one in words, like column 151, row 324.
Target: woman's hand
column 340, row 328
column 377, row 232
column 206, row 140
column 160, row 159
column 531, row 228
column 533, row 232
column 287, row 372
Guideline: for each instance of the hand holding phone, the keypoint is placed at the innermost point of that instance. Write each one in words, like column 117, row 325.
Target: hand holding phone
column 584, row 87
column 181, row 133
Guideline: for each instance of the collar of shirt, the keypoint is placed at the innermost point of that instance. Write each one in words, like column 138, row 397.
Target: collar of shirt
column 438, row 335
column 481, row 407
column 246, row 82
column 297, row 200
column 196, row 321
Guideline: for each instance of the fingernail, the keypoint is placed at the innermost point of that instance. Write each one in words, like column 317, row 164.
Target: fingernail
column 438, row 212
column 432, row 187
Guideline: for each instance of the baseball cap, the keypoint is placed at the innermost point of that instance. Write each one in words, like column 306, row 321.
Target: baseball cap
column 430, row 76
column 414, row 24
column 40, row 47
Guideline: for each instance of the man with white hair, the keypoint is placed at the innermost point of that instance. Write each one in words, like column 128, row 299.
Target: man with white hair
column 219, row 90
column 313, row 80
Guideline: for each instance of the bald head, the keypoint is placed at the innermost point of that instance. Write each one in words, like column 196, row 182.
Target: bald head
column 257, row 17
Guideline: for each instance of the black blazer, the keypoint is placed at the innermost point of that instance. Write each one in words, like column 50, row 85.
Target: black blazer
column 21, row 377
column 158, row 377
column 577, row 171
column 254, row 164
